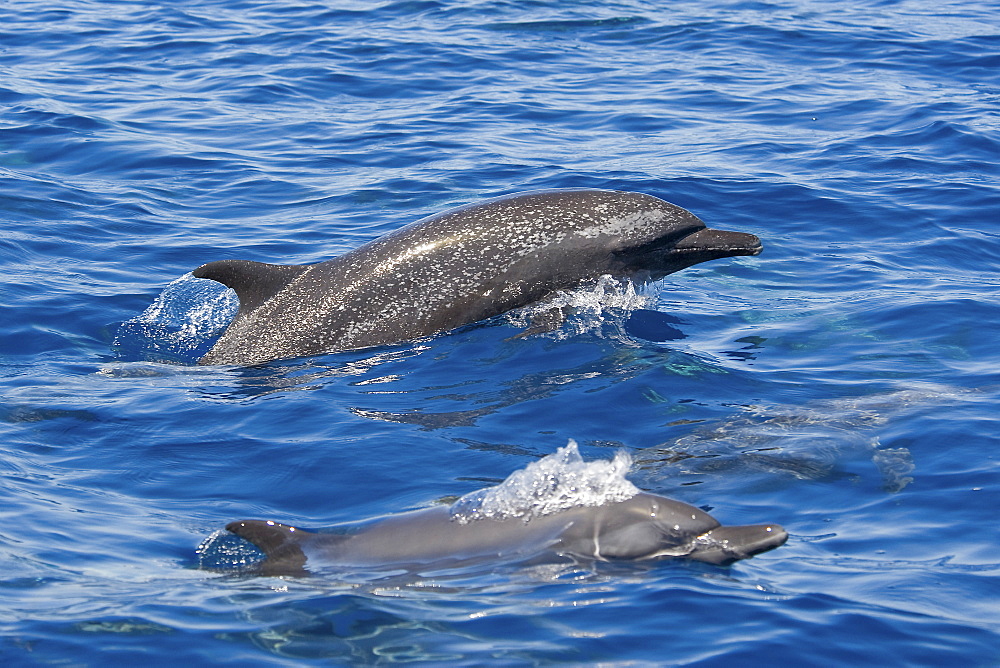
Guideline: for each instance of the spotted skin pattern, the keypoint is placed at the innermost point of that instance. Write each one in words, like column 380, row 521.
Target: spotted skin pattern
column 458, row 267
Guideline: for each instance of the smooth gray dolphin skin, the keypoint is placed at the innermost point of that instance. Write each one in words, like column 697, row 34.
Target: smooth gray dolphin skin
column 645, row 526
column 458, row 267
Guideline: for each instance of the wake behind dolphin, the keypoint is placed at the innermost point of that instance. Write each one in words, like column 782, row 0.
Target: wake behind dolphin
column 458, row 267
column 558, row 509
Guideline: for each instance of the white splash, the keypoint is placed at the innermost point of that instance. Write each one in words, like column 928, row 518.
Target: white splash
column 583, row 308
column 225, row 551
column 185, row 315
column 554, row 483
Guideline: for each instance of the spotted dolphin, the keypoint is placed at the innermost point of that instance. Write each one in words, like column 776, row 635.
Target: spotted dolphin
column 645, row 526
column 458, row 267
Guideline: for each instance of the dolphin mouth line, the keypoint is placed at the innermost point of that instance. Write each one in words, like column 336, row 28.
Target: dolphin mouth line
column 709, row 240
column 731, row 250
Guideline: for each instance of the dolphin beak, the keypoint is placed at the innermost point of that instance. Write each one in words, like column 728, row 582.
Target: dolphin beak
column 724, row 545
column 719, row 243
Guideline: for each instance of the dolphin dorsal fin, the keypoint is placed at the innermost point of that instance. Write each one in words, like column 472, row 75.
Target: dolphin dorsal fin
column 254, row 282
column 279, row 542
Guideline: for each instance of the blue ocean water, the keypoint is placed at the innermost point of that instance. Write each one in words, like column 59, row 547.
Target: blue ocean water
column 843, row 384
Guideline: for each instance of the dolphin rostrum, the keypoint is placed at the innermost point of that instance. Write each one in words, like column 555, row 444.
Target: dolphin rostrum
column 458, row 267
column 645, row 526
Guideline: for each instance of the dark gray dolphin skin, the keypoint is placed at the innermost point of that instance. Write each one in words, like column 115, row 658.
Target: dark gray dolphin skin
column 458, row 267
column 645, row 526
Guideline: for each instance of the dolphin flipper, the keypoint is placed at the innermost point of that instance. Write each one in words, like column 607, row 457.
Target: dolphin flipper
column 282, row 544
column 254, row 282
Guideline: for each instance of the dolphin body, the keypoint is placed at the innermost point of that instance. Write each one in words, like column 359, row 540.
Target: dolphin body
column 458, row 267
column 643, row 527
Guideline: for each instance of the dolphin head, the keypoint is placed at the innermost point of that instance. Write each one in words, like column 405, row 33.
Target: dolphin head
column 648, row 526
column 577, row 232
column 684, row 245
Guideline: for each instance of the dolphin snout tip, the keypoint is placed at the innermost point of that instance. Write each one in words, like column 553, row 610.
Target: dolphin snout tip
column 720, row 243
column 777, row 533
column 742, row 243
column 769, row 536
column 726, row 544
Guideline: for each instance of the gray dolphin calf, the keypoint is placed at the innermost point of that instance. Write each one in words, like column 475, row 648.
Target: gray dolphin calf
column 645, row 526
column 458, row 267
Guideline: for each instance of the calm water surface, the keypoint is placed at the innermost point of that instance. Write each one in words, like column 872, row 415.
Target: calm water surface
column 843, row 384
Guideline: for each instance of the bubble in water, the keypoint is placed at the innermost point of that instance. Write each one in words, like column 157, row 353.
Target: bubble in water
column 554, row 483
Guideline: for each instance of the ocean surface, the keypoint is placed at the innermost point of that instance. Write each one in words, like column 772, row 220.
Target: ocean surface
column 844, row 384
